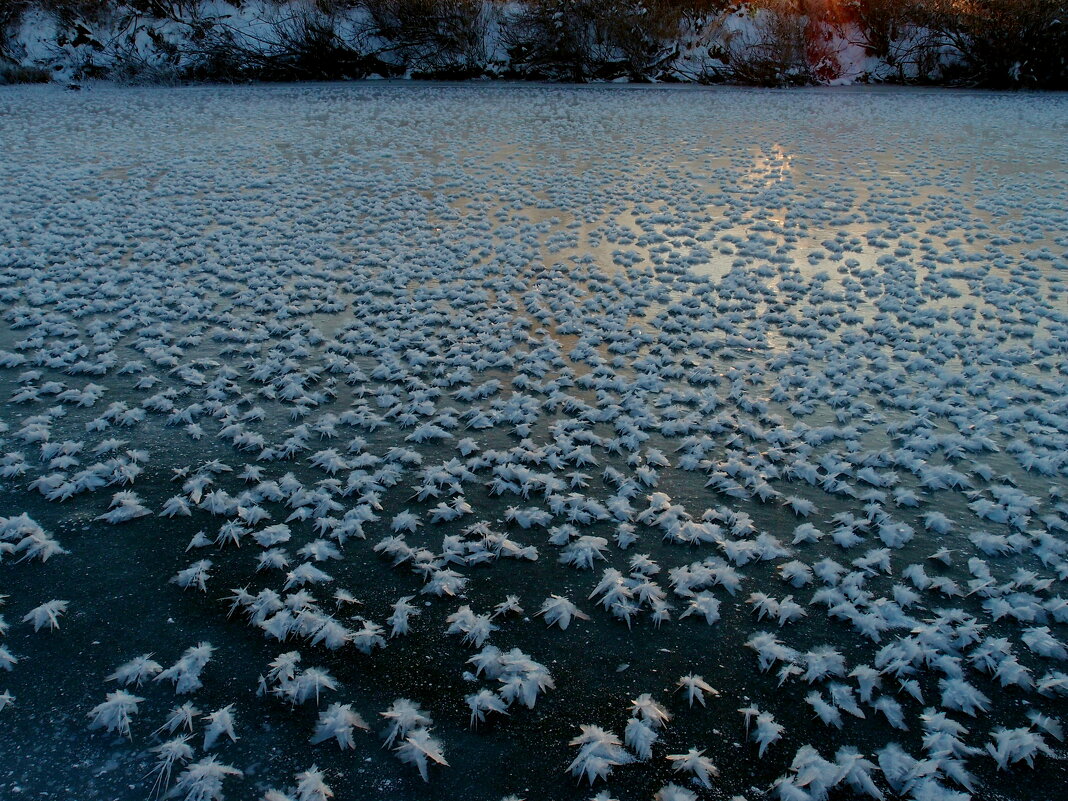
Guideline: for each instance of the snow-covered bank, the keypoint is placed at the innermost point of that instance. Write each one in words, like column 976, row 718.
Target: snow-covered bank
column 766, row 42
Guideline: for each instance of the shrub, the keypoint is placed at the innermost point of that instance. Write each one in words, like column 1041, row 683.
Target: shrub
column 445, row 38
column 16, row 73
column 581, row 39
column 997, row 43
column 895, row 32
column 309, row 47
column 10, row 14
column 555, row 39
column 881, row 22
column 642, row 36
column 773, row 51
column 1006, row 43
column 304, row 44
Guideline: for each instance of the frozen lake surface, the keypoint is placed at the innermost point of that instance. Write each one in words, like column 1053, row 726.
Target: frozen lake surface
column 321, row 397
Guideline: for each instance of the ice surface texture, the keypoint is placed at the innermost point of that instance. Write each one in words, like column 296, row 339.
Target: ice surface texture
column 465, row 442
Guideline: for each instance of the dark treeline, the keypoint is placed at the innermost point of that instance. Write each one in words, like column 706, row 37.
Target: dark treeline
column 990, row 43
